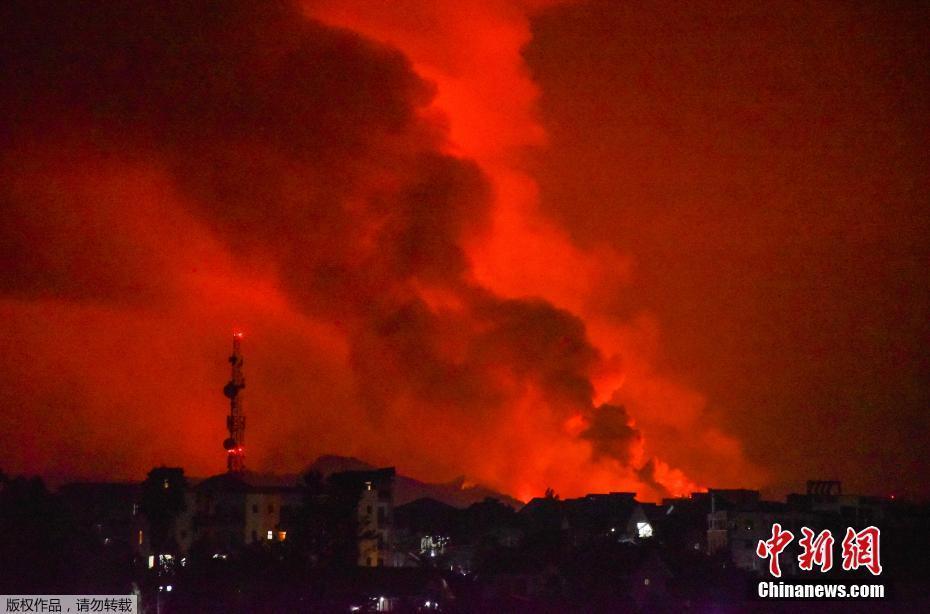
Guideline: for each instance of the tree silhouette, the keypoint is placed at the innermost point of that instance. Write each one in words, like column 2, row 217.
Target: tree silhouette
column 163, row 498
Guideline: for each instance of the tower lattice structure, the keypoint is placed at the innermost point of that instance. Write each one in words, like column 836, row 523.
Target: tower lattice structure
column 235, row 421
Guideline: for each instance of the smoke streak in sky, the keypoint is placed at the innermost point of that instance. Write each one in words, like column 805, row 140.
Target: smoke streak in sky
column 453, row 247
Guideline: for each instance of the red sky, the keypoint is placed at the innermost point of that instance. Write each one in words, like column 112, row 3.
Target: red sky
column 586, row 245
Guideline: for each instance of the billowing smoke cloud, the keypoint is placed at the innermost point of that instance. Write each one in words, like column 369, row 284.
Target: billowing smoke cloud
column 173, row 170
column 611, row 435
column 474, row 52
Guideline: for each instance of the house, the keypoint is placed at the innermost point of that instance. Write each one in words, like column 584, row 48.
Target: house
column 739, row 520
column 231, row 510
column 108, row 509
column 616, row 516
column 374, row 515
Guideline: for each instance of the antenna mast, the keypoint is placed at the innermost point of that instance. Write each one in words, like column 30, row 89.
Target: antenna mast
column 235, row 421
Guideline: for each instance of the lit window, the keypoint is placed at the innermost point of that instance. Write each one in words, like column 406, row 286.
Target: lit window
column 282, row 535
column 270, row 534
column 151, row 561
column 140, row 538
column 644, row 529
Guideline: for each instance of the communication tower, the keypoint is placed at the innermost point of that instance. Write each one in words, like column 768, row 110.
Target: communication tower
column 235, row 421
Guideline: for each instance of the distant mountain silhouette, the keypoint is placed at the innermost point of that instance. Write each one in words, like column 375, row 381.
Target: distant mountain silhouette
column 457, row 492
column 332, row 463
